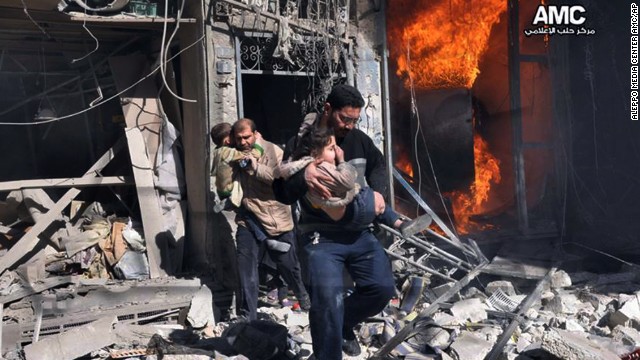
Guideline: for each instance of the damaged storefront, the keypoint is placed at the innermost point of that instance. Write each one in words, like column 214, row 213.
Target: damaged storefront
column 110, row 246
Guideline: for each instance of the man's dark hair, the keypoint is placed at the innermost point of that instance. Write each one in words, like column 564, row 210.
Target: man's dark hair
column 312, row 142
column 219, row 132
column 345, row 95
column 243, row 123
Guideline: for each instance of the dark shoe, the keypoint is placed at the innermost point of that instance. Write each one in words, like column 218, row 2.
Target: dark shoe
column 412, row 227
column 351, row 347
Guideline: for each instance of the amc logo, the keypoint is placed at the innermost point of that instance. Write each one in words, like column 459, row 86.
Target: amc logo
column 559, row 15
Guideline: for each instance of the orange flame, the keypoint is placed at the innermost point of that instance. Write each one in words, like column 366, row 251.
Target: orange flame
column 439, row 43
column 466, row 204
column 404, row 163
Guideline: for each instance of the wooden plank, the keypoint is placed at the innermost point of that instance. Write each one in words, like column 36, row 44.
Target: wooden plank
column 31, row 239
column 68, row 182
column 46, row 284
column 193, row 68
column 141, row 108
column 127, row 19
column 154, row 230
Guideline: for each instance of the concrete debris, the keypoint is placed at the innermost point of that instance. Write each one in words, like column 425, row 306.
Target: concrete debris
column 560, row 279
column 472, row 310
column 571, row 346
column 626, row 335
column 579, row 316
column 201, row 309
column 630, row 310
column 469, row 346
column 73, row 343
column 563, row 303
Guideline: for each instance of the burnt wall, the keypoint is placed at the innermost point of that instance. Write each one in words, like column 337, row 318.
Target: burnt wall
column 599, row 142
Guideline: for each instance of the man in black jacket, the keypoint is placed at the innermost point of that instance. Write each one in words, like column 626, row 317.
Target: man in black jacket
column 327, row 247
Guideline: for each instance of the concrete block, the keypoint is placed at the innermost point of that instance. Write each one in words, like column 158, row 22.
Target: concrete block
column 572, row 346
column 626, row 335
column 524, row 341
column 611, row 345
column 563, row 303
column 506, row 287
column 436, row 337
column 491, row 334
column 560, row 279
column 630, row 310
column 439, row 290
column 73, row 343
column 573, row 325
column 201, row 309
column 444, row 319
column 469, row 346
column 472, row 309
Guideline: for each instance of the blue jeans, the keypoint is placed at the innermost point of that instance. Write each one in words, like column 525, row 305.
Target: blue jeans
column 331, row 314
column 362, row 212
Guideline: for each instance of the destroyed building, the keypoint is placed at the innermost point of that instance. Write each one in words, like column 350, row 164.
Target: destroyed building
column 519, row 144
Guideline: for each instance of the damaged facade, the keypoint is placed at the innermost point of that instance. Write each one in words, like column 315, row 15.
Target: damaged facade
column 107, row 228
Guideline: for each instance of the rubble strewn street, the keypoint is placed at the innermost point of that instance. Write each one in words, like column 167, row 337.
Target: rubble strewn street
column 77, row 302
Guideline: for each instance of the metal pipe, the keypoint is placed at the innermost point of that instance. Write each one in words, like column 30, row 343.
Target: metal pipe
column 239, row 98
column 386, row 113
column 453, row 239
column 516, row 114
column 409, row 328
column 430, row 249
column 419, row 266
column 526, row 304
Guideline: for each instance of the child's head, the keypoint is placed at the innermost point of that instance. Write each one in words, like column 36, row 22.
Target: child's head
column 317, row 143
column 221, row 134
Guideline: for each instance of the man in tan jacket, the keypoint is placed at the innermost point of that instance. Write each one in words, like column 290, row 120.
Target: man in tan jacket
column 262, row 219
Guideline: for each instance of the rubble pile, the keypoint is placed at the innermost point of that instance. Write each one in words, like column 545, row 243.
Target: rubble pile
column 87, row 293
column 592, row 317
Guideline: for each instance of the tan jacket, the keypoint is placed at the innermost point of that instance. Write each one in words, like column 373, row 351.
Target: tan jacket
column 259, row 199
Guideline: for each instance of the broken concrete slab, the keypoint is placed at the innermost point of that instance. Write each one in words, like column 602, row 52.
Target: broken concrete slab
column 563, row 303
column 472, row 309
column 571, row 346
column 201, row 309
column 608, row 343
column 73, row 343
column 560, row 279
column 626, row 335
column 469, row 346
column 630, row 310
column 573, row 326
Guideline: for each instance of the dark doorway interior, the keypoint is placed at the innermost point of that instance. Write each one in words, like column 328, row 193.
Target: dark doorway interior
column 277, row 103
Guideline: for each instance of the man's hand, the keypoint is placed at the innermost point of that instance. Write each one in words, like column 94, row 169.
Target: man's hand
column 313, row 177
column 339, row 154
column 378, row 202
